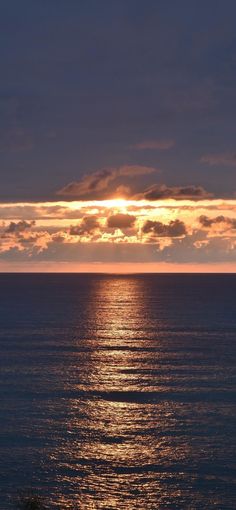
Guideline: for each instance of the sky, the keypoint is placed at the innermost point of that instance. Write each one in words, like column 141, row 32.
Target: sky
column 117, row 135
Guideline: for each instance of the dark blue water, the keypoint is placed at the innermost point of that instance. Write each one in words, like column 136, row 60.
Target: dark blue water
column 118, row 392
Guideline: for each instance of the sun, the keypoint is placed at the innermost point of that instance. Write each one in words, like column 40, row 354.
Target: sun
column 116, row 202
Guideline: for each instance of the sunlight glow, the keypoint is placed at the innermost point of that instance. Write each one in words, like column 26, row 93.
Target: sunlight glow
column 119, row 231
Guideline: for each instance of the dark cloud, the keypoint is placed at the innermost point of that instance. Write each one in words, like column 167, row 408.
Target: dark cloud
column 121, row 221
column 161, row 191
column 99, row 181
column 225, row 158
column 207, row 222
column 175, row 228
column 19, row 227
column 154, row 144
column 88, row 225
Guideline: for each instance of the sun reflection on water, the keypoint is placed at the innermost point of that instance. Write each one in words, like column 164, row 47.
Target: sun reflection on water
column 111, row 443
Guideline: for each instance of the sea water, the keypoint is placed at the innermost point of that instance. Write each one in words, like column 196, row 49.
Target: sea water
column 118, row 391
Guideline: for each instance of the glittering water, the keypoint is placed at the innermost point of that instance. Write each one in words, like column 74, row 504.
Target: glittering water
column 117, row 392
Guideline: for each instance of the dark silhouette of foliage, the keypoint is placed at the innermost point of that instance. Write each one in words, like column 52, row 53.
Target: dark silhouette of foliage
column 30, row 501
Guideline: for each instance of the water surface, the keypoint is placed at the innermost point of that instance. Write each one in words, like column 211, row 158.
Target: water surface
column 118, row 392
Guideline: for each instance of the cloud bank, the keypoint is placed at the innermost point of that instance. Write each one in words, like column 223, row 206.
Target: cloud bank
column 100, row 232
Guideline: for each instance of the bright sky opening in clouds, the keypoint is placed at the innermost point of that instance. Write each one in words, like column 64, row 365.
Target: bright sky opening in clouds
column 119, row 235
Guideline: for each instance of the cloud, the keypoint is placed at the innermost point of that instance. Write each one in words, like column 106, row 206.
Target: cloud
column 207, row 222
column 88, row 225
column 175, row 228
column 154, row 144
column 121, row 221
column 199, row 232
column 224, row 158
column 161, row 191
column 122, row 191
column 19, row 227
column 99, row 181
column 195, row 248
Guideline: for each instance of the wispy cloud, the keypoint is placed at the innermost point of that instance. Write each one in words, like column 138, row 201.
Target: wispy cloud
column 161, row 191
column 224, row 158
column 154, row 145
column 99, row 181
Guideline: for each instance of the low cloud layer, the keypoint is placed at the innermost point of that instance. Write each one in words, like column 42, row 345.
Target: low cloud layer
column 175, row 231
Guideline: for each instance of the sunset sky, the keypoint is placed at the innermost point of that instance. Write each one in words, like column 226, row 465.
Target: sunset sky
column 117, row 135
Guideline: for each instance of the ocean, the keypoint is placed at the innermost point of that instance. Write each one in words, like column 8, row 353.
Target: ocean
column 118, row 391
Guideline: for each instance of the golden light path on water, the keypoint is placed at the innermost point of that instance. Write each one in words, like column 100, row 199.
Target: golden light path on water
column 117, row 320
column 115, row 448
